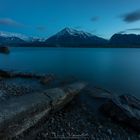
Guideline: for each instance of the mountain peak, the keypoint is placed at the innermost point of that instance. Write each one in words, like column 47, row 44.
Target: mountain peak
column 67, row 31
column 73, row 37
column 73, row 32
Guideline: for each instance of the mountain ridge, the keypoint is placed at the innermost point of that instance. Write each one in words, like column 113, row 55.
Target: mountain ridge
column 69, row 37
column 125, row 39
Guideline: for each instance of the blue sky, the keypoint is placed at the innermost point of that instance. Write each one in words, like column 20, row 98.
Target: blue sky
column 43, row 18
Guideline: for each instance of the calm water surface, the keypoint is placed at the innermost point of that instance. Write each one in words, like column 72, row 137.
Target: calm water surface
column 117, row 69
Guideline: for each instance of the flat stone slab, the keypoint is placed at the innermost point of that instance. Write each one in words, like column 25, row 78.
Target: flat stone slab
column 124, row 109
column 19, row 113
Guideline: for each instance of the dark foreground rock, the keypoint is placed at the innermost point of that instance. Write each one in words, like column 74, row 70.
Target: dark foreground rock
column 47, row 79
column 44, row 78
column 78, row 120
column 4, row 74
column 124, row 109
column 4, row 49
column 18, row 114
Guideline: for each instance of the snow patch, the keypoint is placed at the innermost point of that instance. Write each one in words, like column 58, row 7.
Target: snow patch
column 73, row 32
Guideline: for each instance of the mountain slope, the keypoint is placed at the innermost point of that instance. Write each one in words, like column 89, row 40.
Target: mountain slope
column 71, row 37
column 18, row 35
column 10, row 40
column 125, row 39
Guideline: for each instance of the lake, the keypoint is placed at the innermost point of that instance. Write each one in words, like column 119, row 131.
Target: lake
column 117, row 70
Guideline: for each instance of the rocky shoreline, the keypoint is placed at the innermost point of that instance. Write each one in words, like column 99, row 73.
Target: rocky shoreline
column 78, row 120
column 25, row 99
column 87, row 116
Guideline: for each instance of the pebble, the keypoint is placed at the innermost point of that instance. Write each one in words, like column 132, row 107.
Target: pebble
column 109, row 131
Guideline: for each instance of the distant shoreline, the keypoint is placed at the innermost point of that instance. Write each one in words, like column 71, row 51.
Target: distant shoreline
column 42, row 45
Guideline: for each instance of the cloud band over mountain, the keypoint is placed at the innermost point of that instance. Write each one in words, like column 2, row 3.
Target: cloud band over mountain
column 131, row 17
column 132, row 29
column 10, row 22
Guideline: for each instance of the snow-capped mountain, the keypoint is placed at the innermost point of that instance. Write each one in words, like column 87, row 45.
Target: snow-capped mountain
column 73, row 32
column 10, row 38
column 72, row 37
column 67, row 37
column 37, row 39
column 10, row 35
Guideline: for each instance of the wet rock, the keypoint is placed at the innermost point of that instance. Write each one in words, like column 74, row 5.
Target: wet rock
column 131, row 101
column 26, row 75
column 109, row 131
column 12, row 74
column 4, row 49
column 47, row 79
column 124, row 109
column 4, row 74
column 20, row 113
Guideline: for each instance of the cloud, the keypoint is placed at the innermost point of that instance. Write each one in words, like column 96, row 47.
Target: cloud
column 131, row 17
column 127, row 30
column 10, row 22
column 95, row 18
column 41, row 28
column 121, row 32
column 134, row 29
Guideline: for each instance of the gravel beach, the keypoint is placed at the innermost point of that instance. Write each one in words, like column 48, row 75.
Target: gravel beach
column 78, row 121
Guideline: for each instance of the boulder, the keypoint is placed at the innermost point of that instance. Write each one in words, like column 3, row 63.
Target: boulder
column 47, row 79
column 4, row 49
column 124, row 109
column 18, row 114
column 4, row 74
column 12, row 74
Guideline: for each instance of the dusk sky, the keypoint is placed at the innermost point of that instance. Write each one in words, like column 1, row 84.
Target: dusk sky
column 43, row 18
